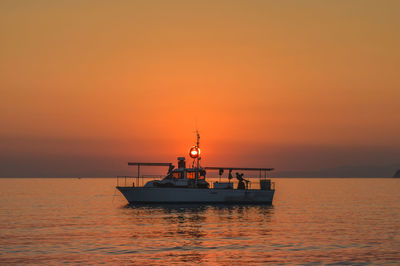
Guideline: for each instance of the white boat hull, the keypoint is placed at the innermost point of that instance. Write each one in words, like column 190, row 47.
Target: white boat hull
column 196, row 195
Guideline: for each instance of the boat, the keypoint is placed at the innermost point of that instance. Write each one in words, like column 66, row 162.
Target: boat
column 189, row 185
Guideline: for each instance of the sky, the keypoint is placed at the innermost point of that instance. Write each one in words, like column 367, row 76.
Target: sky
column 86, row 86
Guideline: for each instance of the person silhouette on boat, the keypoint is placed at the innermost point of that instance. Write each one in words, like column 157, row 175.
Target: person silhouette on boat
column 242, row 181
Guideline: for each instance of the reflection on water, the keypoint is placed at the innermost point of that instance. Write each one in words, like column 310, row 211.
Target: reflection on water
column 317, row 221
column 193, row 232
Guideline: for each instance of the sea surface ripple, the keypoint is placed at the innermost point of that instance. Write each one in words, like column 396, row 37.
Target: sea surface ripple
column 312, row 221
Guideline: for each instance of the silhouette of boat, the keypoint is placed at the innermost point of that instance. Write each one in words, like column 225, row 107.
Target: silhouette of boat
column 189, row 185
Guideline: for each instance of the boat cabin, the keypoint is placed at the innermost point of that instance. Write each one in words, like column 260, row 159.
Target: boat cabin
column 194, row 177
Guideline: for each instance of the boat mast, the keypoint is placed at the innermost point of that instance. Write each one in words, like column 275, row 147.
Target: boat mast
column 194, row 153
column 198, row 146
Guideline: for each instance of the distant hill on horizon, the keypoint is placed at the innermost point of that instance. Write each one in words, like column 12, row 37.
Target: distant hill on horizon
column 397, row 174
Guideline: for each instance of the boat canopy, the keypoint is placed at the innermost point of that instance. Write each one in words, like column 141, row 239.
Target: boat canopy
column 239, row 168
column 151, row 164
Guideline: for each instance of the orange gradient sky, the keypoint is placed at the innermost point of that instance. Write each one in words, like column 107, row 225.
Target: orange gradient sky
column 286, row 84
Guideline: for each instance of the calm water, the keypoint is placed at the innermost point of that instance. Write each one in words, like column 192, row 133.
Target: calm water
column 312, row 221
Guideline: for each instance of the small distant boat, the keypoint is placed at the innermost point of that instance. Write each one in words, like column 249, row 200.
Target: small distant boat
column 189, row 185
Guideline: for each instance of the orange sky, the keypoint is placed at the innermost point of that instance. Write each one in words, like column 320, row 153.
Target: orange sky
column 129, row 80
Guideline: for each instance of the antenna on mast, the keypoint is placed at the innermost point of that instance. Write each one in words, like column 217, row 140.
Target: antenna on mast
column 198, row 138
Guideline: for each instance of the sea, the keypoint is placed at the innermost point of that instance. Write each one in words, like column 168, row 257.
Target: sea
column 312, row 221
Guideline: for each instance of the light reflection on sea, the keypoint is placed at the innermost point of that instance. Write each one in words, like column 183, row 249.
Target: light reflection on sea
column 339, row 221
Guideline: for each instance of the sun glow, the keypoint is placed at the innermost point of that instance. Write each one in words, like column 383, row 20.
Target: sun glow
column 194, row 152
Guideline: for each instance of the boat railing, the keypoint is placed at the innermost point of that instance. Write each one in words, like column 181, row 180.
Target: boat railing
column 252, row 184
column 135, row 181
